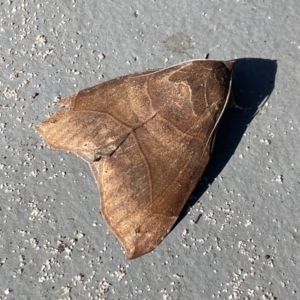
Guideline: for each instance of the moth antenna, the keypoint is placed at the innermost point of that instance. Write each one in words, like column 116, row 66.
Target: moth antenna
column 261, row 105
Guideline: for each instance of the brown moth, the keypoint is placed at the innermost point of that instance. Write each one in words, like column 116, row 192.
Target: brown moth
column 147, row 137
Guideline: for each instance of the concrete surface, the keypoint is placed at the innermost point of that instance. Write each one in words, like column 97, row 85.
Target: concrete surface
column 54, row 244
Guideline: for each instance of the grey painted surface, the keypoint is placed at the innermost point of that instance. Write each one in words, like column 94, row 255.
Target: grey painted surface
column 54, row 244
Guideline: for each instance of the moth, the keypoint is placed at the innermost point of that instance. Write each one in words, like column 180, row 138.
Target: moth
column 147, row 137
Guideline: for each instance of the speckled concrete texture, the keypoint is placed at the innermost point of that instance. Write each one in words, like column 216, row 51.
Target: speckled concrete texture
column 54, row 244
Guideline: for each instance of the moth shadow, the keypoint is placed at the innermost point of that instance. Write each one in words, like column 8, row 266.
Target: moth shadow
column 253, row 83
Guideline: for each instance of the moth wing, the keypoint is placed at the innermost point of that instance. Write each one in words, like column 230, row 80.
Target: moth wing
column 145, row 183
column 93, row 122
column 147, row 138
